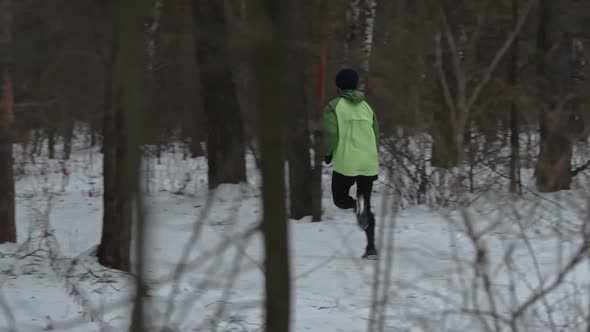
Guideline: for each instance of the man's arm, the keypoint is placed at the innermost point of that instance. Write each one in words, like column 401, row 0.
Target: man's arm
column 376, row 130
column 330, row 130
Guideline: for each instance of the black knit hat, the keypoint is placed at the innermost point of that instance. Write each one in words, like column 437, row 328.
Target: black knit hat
column 347, row 79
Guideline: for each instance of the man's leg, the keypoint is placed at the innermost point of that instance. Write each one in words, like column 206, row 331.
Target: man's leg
column 364, row 186
column 364, row 189
column 341, row 185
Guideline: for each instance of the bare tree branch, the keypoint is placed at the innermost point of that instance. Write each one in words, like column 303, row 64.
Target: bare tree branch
column 574, row 261
column 443, row 79
column 503, row 50
column 581, row 168
column 456, row 57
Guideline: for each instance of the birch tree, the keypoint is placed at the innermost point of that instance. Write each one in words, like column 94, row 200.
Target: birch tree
column 352, row 40
column 368, row 40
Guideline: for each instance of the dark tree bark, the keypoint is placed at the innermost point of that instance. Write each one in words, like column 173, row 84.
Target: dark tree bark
column 445, row 145
column 37, row 143
column 124, row 114
column 51, row 140
column 159, row 144
column 114, row 249
column 7, row 201
column 556, row 73
column 323, row 16
column 542, row 52
column 193, row 127
column 192, row 132
column 296, row 108
column 68, row 136
column 131, row 16
column 225, row 137
column 444, row 148
column 93, row 133
column 553, row 169
column 195, row 144
column 270, row 58
column 515, row 185
column 448, row 138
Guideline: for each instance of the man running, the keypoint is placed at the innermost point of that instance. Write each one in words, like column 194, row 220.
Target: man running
column 351, row 137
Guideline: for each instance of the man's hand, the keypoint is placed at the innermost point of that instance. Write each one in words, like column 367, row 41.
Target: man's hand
column 328, row 159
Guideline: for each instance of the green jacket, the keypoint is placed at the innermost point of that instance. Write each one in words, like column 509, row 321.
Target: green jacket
column 351, row 135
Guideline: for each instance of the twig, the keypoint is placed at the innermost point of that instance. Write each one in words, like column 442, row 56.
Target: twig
column 490, row 70
column 33, row 253
column 456, row 58
column 535, row 264
column 575, row 260
column 580, row 169
column 443, row 79
column 480, row 265
column 180, row 266
column 476, row 313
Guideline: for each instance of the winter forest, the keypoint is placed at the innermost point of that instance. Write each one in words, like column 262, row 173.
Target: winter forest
column 163, row 166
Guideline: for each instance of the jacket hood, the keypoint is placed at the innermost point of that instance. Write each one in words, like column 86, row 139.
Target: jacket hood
column 355, row 96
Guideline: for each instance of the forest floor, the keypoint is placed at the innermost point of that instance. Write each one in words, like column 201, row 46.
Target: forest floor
column 205, row 266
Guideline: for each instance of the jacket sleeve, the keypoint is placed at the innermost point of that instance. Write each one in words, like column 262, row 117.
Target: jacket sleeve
column 376, row 130
column 330, row 130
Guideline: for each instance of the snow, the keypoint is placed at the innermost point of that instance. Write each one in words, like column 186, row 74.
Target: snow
column 204, row 270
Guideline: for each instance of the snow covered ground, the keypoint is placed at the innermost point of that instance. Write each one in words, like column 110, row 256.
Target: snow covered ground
column 440, row 270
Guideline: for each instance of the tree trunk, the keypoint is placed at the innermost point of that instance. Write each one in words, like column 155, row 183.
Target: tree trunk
column 446, row 136
column 192, row 133
column 114, row 249
column 68, row 136
column 195, row 145
column 159, row 144
column 225, row 137
column 353, row 45
column 152, row 60
column 444, row 144
column 7, row 201
column 515, row 185
column 37, row 143
column 93, row 133
column 369, row 31
column 270, row 58
column 542, row 51
column 51, row 140
column 300, row 189
column 321, row 25
column 296, row 111
column 132, row 87
column 553, row 169
column 115, row 243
